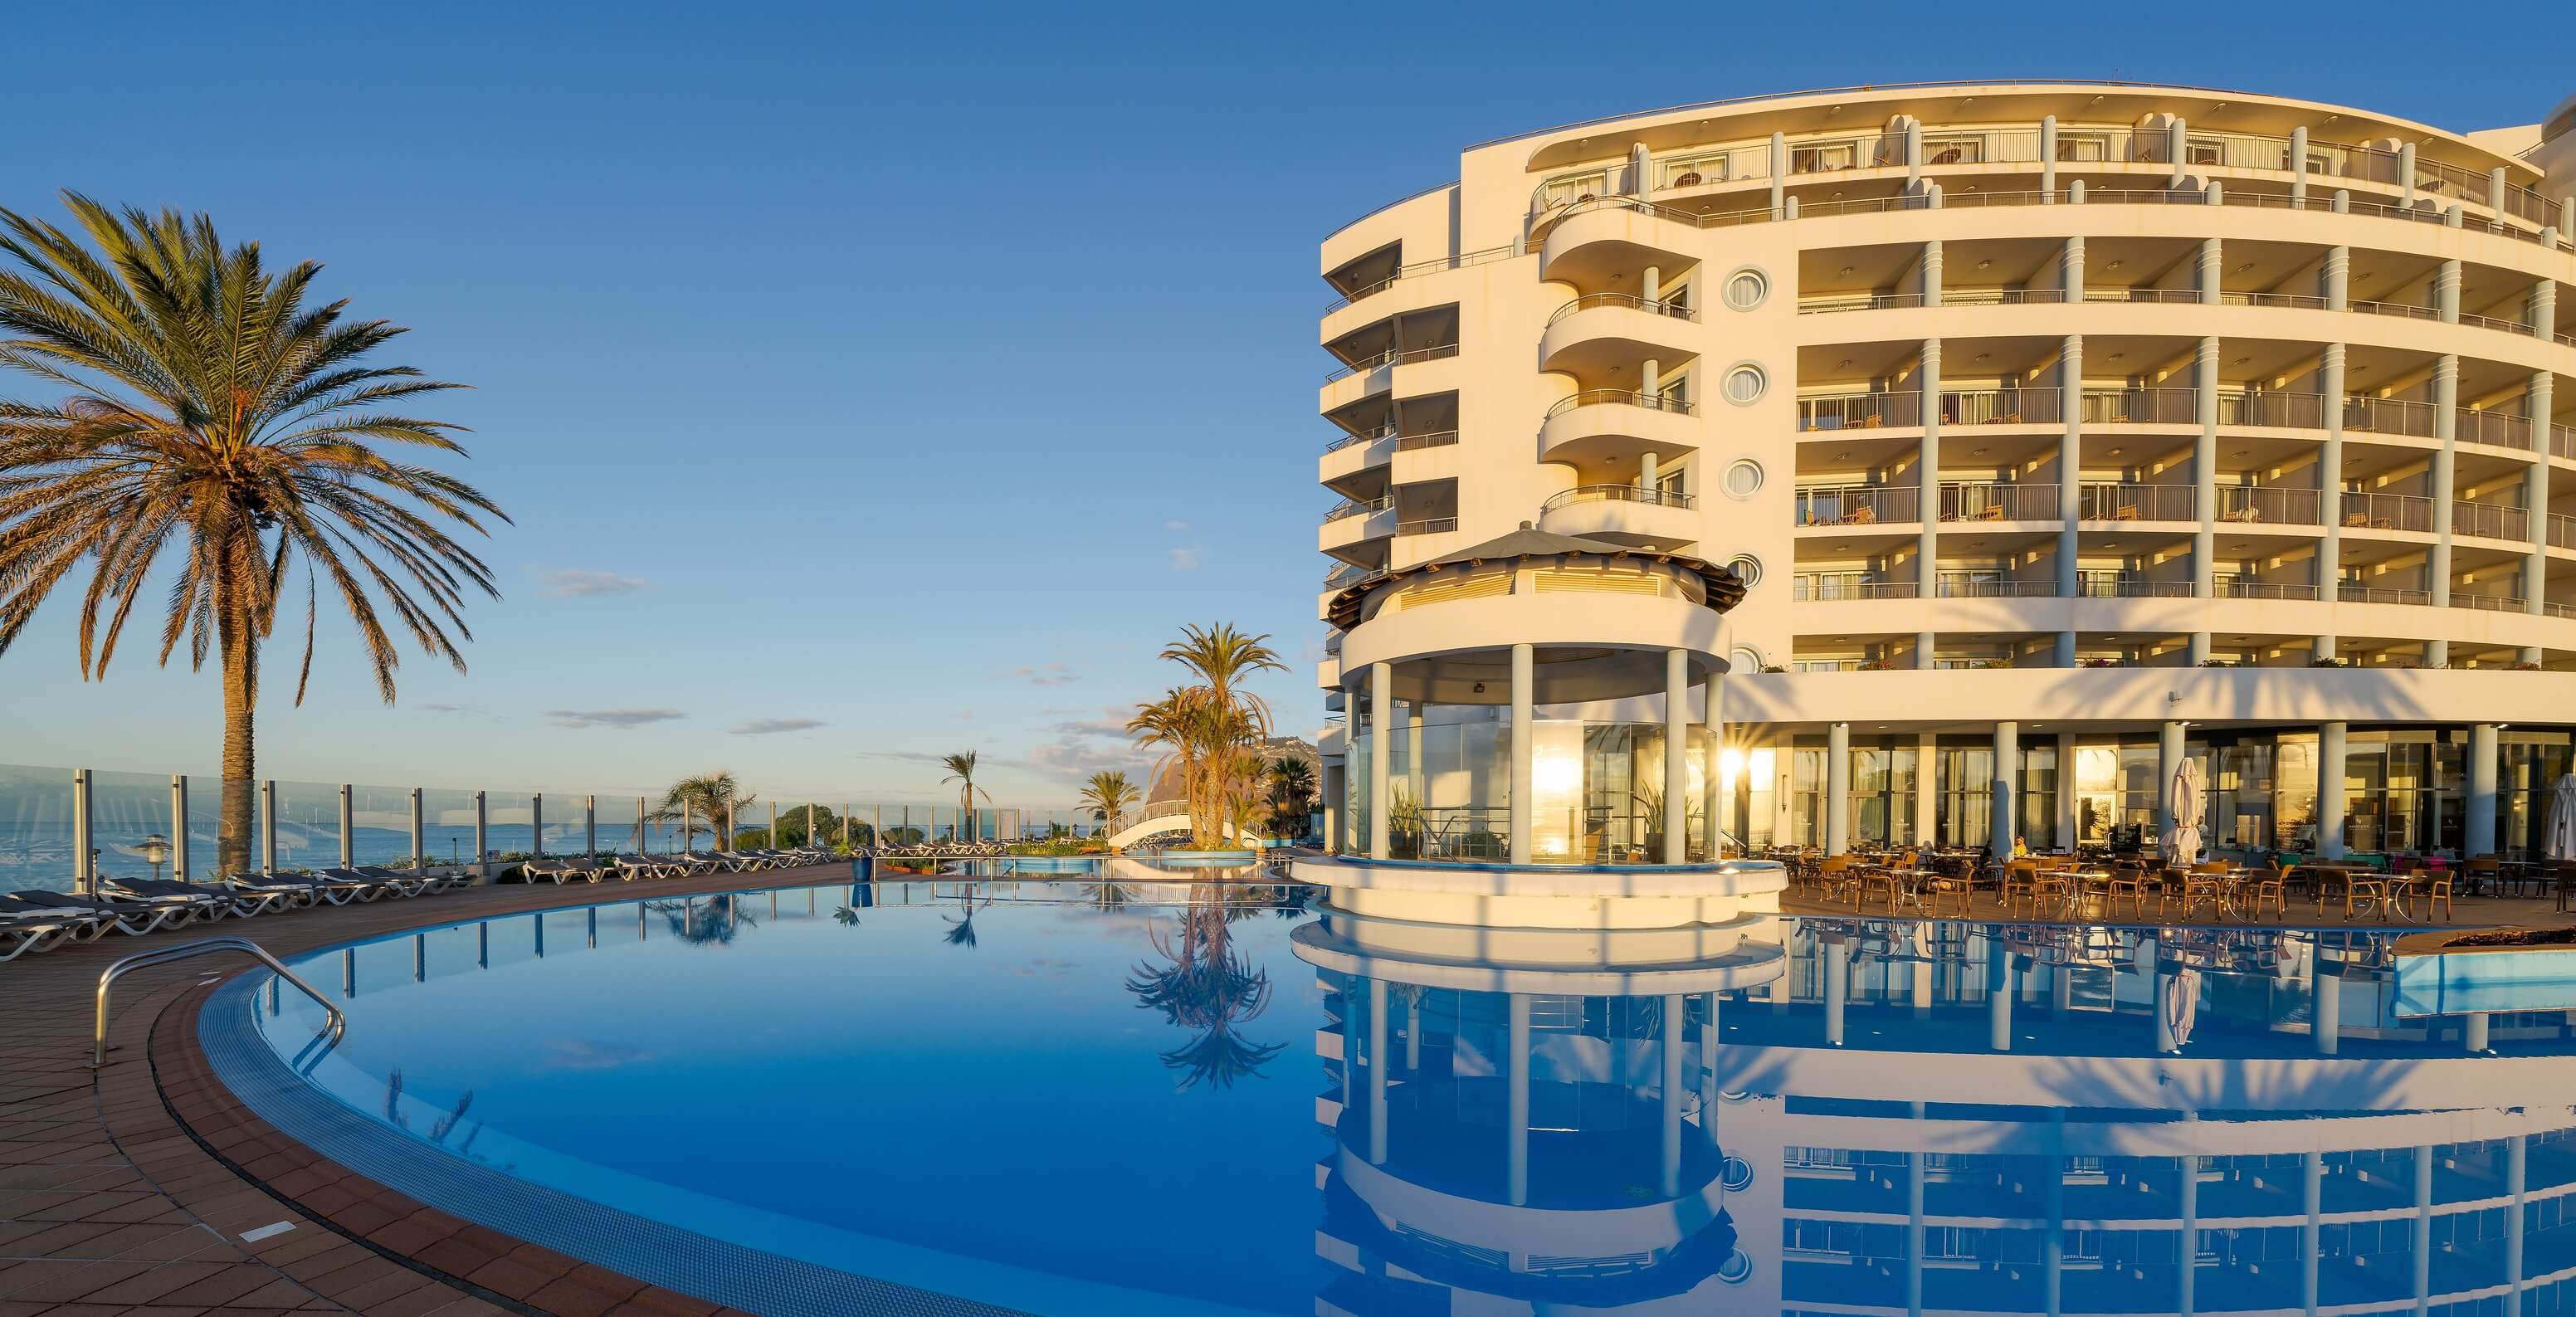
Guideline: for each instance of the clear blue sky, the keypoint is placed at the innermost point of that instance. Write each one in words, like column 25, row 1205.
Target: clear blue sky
column 915, row 373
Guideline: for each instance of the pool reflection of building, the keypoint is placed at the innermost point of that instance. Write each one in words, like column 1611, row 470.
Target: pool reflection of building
column 1537, row 1122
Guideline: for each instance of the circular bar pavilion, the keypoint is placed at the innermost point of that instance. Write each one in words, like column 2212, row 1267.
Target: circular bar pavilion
column 1532, row 733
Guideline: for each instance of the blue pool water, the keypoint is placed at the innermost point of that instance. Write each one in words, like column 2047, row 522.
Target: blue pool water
column 1067, row 1097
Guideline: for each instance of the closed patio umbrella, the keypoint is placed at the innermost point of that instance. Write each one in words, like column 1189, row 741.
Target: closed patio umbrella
column 2561, row 841
column 2182, row 845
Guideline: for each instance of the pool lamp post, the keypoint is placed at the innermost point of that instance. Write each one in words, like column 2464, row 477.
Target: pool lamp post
column 154, row 850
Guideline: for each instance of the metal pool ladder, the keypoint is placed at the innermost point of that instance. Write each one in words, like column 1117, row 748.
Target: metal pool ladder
column 337, row 1026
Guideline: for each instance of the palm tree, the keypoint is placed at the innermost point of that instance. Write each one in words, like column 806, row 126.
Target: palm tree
column 1292, row 789
column 213, row 413
column 1108, row 795
column 961, row 769
column 710, row 797
column 1203, row 725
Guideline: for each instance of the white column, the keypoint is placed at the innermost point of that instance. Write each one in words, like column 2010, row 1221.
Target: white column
column 1524, row 746
column 1677, row 755
column 1336, row 787
column 267, row 826
column 1676, row 1016
column 2473, row 1033
column 2446, row 402
column 2209, row 271
column 1713, row 716
column 1914, row 1220
column 2066, row 817
column 2333, row 803
column 2176, row 147
column 348, row 825
column 2187, row 1275
column 537, row 823
column 2446, row 291
column 1927, row 547
column 84, row 835
column 179, row 827
column 419, row 833
column 1382, row 728
column 2006, row 803
column 2538, row 400
column 2406, row 172
column 2330, row 467
column 482, row 828
column 1838, row 788
column 2478, row 812
column 1779, row 173
column 1517, row 1104
column 2169, row 756
column 590, row 825
column 1913, row 150
column 2204, row 474
column 1932, row 273
column 2048, row 157
column 2298, row 165
column 2070, row 453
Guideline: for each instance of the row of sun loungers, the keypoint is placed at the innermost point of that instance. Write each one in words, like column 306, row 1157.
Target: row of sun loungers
column 37, row 921
column 942, row 850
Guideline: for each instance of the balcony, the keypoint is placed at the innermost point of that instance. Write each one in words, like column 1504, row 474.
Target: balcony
column 1860, row 411
column 2562, row 532
column 1393, row 358
column 2472, row 426
column 1827, row 586
column 2404, row 512
column 2264, row 590
column 2301, row 411
column 2156, row 406
column 2265, row 504
column 1427, row 526
column 1987, row 587
column 1858, row 505
column 2393, row 416
column 1597, row 333
column 2091, row 586
column 2001, row 407
column 2137, row 503
column 1998, row 502
column 1354, row 521
column 1623, row 514
column 1614, row 427
column 2351, row 593
column 2490, row 521
column 2492, row 603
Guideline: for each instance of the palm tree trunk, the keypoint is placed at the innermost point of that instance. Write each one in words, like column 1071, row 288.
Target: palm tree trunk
column 237, row 635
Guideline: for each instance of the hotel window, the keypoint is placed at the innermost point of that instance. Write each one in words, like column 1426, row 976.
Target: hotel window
column 1823, row 157
column 2039, row 797
column 2529, row 767
column 2083, row 147
column 1806, row 798
column 1966, row 814
column 1882, row 795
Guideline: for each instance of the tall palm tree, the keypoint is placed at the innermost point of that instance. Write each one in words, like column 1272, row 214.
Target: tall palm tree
column 213, row 413
column 706, row 798
column 1108, row 795
column 1292, row 787
column 1223, row 658
column 961, row 770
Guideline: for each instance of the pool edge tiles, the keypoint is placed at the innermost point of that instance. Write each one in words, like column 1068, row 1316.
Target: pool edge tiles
column 653, row 1252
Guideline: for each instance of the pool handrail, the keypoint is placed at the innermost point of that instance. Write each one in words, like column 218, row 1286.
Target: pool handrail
column 337, row 1026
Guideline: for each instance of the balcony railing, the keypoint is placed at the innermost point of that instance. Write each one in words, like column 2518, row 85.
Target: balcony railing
column 1393, row 357
column 1414, row 443
column 1433, row 266
column 1675, row 310
column 2261, row 503
column 1347, row 440
column 2157, row 406
column 1346, row 574
column 2000, row 407
column 1360, row 507
column 1617, row 494
column 1661, row 402
column 2388, row 512
column 2264, row 590
column 1833, row 586
column 2137, row 503
column 2381, row 594
column 1860, row 411
column 2304, row 411
column 1859, row 505
column 1971, row 587
column 2562, row 441
column 2118, row 587
column 2399, row 416
column 2493, row 521
column 1427, row 526
column 2472, row 426
column 2492, row 603
column 1833, row 302
column 1998, row 502
column 2562, row 531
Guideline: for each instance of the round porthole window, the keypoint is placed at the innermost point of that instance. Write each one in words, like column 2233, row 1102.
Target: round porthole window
column 1747, row 288
column 1734, row 1173
column 1745, row 383
column 1743, row 478
column 1744, row 660
column 1737, row 1268
column 1746, row 567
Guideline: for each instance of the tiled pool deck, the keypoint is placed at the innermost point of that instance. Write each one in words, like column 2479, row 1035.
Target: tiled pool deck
column 109, row 1204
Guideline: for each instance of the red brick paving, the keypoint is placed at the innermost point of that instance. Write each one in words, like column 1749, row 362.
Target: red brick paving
column 109, row 1205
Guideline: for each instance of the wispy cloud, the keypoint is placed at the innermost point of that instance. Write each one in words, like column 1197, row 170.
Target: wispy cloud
column 773, row 726
column 574, row 584
column 620, row 718
column 1185, row 560
column 1053, row 674
column 1176, row 525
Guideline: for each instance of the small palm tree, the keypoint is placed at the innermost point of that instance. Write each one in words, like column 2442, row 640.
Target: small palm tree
column 213, row 415
column 961, row 770
column 1292, row 790
column 1108, row 795
column 707, row 798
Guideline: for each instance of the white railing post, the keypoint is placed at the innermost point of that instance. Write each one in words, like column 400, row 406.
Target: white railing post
column 179, row 827
column 84, row 854
column 348, row 827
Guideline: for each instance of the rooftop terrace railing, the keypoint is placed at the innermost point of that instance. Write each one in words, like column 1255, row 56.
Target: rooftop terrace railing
column 1618, row 494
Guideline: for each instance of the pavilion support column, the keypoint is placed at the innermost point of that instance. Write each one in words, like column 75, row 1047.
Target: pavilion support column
column 2446, row 403
column 1516, row 1116
column 1677, row 756
column 2538, row 400
column 2333, row 802
column 1524, row 749
column 2067, row 820
column 2007, row 807
column 2070, row 453
column 1715, row 820
column 1382, row 728
column 1838, row 788
column 2473, row 1033
column 1927, row 541
column 1417, row 782
column 2204, row 476
column 2478, row 812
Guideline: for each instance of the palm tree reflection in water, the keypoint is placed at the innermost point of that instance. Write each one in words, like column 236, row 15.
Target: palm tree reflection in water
column 706, row 921
column 1208, row 987
column 961, row 930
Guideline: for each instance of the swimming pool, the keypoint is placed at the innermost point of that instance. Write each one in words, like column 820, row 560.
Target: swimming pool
column 1084, row 1097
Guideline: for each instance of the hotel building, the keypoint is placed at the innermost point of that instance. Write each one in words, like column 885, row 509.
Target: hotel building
column 1965, row 455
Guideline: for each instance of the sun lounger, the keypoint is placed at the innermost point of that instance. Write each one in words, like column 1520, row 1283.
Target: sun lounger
column 691, row 863
column 274, row 891
column 133, row 918
column 24, row 931
column 631, row 867
column 210, row 903
column 365, row 886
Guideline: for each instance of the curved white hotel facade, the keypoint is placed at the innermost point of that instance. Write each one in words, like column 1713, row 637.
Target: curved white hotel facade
column 2053, row 431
